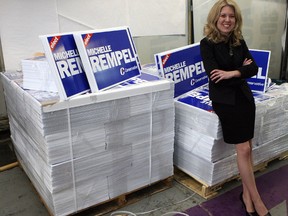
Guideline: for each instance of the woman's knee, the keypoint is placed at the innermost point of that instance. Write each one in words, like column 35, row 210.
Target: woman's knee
column 244, row 149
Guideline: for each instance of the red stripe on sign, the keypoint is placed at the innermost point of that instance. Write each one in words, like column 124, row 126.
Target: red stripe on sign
column 165, row 59
column 87, row 39
column 54, row 42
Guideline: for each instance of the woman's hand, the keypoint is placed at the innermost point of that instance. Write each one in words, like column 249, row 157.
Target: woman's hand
column 247, row 61
column 217, row 75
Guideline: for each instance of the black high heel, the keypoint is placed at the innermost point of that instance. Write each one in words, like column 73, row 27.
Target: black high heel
column 244, row 206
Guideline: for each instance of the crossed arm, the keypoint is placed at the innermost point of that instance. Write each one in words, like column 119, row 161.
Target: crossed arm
column 217, row 75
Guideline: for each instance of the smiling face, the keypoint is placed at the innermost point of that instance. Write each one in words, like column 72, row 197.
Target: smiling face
column 226, row 20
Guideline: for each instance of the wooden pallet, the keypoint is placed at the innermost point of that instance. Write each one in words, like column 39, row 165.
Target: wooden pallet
column 208, row 192
column 262, row 166
column 8, row 166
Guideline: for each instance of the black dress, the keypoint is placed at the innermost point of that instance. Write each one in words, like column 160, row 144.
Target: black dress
column 232, row 99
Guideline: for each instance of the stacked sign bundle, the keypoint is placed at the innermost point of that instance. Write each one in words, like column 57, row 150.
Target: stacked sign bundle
column 65, row 63
column 107, row 51
column 273, row 137
column 93, row 147
column 37, row 74
column 198, row 139
column 199, row 142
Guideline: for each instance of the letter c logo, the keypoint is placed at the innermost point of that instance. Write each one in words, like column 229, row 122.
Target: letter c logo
column 192, row 82
column 122, row 71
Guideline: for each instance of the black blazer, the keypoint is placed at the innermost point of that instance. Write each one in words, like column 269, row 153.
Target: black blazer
column 217, row 56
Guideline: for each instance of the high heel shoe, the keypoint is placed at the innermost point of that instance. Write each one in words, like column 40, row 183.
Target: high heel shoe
column 268, row 214
column 244, row 206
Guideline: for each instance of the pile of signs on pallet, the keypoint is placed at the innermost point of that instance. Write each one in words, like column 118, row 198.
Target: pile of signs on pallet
column 199, row 147
column 90, row 148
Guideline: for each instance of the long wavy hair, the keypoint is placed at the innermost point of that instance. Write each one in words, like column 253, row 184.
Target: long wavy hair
column 210, row 28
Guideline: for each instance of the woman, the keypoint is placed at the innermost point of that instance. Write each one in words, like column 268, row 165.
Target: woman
column 228, row 63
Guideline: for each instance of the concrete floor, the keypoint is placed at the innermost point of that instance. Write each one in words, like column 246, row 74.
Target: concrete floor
column 19, row 198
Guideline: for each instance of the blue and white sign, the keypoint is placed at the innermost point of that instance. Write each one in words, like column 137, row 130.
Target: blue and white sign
column 184, row 66
column 258, row 83
column 63, row 57
column 144, row 77
column 109, row 56
column 197, row 98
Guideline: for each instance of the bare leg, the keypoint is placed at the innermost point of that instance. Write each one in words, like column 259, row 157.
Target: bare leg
column 246, row 195
column 250, row 193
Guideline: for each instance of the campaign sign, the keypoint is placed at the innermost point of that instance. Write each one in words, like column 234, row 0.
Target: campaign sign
column 198, row 99
column 63, row 57
column 109, row 56
column 258, row 83
column 184, row 66
column 144, row 77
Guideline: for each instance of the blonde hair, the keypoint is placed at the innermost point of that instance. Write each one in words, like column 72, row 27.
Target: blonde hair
column 212, row 32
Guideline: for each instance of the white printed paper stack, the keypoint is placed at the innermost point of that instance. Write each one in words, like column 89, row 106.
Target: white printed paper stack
column 93, row 147
column 37, row 74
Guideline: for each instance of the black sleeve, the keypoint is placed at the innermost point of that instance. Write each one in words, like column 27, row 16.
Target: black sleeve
column 210, row 63
column 207, row 54
column 250, row 70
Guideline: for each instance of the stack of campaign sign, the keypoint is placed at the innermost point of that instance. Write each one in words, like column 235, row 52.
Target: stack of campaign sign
column 94, row 147
column 107, row 131
column 65, row 63
column 200, row 150
column 199, row 142
column 90, row 61
column 273, row 137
